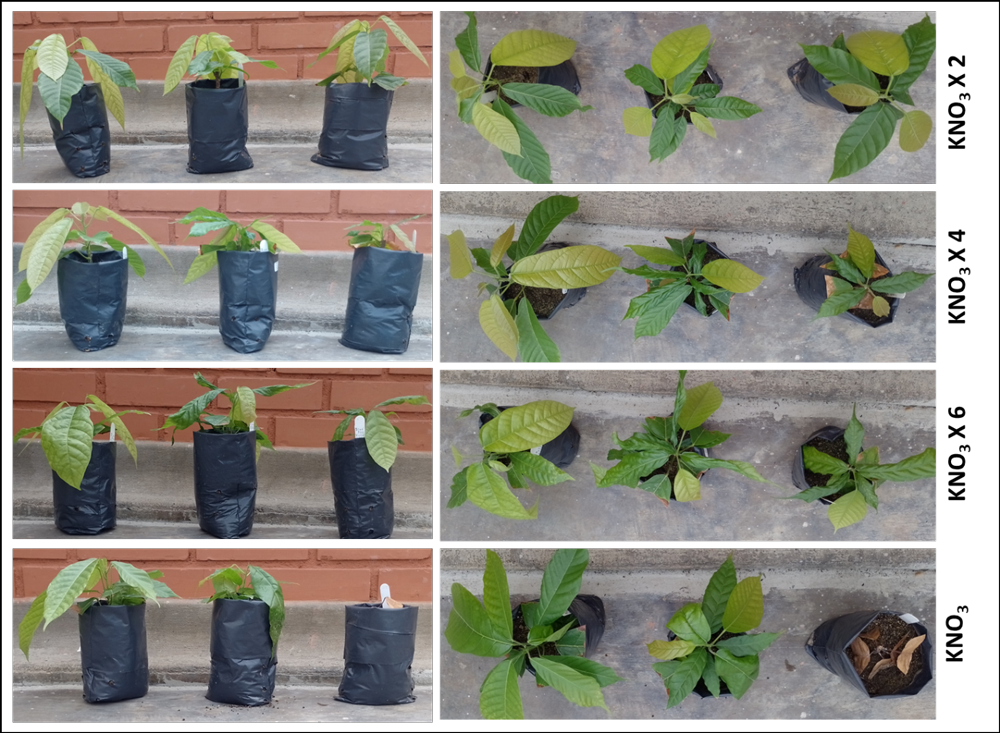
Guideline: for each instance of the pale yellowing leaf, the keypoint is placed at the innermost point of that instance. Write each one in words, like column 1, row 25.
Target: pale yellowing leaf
column 861, row 251
column 46, row 251
column 676, row 51
column 702, row 124
column 881, row 51
column 178, row 65
column 498, row 325
column 496, row 129
column 571, row 267
column 671, row 649
column 686, row 486
column 459, row 256
column 732, row 276
column 52, row 57
column 880, row 306
column 501, row 245
column 638, row 121
column 280, row 240
column 914, row 130
column 532, row 48
column 36, row 234
column 456, row 66
column 854, row 95
column 849, row 509
column 403, row 38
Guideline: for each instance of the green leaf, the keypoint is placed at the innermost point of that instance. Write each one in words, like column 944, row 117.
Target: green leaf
column 67, row 438
column 840, row 302
column 696, row 463
column 467, row 43
column 550, row 100
column 854, row 95
column 460, row 261
column 104, row 213
column 178, row 64
column 579, row 266
column 861, row 251
column 496, row 129
column 684, row 81
column 711, row 677
column 53, row 57
column 849, row 509
column 720, row 587
column 738, row 673
column 867, row 489
column 26, row 629
column 469, row 629
column 727, row 108
column 501, row 245
column 839, row 67
column 743, row 646
column 681, row 675
column 703, row 124
column 459, row 489
column 532, row 48
column 28, row 66
column 866, row 137
column 390, row 82
column 272, row 389
column 403, row 38
column 668, row 134
column 122, row 430
column 920, row 39
column 632, row 467
column 745, row 607
column 525, row 427
column 499, row 696
column 46, row 250
column 490, row 492
column 818, row 492
column 573, row 644
column 136, row 578
column 533, row 343
column 638, row 121
column 677, row 50
column 657, row 255
column 819, row 462
column 914, row 130
column 368, row 51
column 543, row 218
column 883, row 52
column 605, row 676
column 853, row 436
column 686, row 486
column 498, row 325
column 702, row 401
column 269, row 590
column 671, row 649
column 380, row 437
column 68, row 584
column 118, row 72
column 577, row 687
column 646, row 79
column 701, row 438
column 704, row 91
column 655, row 308
column 538, row 470
column 496, row 596
column 922, row 465
column 533, row 163
column 561, row 583
column 189, row 413
column 281, row 241
column 904, row 282
column 690, row 624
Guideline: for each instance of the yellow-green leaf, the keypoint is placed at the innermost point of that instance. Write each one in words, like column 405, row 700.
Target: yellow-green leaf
column 464, row 86
column 732, row 276
column 525, row 426
column 686, row 486
column 28, row 66
column 880, row 306
column 455, row 65
column 847, row 510
column 280, row 240
column 496, row 129
column 703, row 124
column 881, row 51
column 499, row 325
column 914, row 130
column 745, row 607
column 854, row 95
column 532, row 48
column 46, row 251
column 861, row 251
column 501, row 245
column 571, row 267
column 380, row 438
column 700, row 404
column 403, row 38
column 459, row 256
column 178, row 64
column 676, row 51
column 112, row 94
column 490, row 492
column 638, row 121
column 36, row 234
column 52, row 57
column 671, row 649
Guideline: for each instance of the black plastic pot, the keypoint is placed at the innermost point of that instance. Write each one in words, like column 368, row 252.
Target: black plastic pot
column 355, row 118
column 113, row 652
column 83, row 140
column 561, row 75
column 810, row 284
column 830, row 641
column 225, row 482
column 381, row 299
column 362, row 492
column 560, row 451
column 378, row 655
column 218, row 125
column 92, row 298
column 713, row 75
column 812, row 87
column 830, row 432
column 589, row 613
column 91, row 509
column 248, row 298
column 243, row 668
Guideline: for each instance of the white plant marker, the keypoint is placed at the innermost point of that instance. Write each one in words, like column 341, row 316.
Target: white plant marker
column 124, row 253
column 384, row 591
column 359, row 432
column 253, row 426
column 263, row 245
column 536, row 451
column 112, row 433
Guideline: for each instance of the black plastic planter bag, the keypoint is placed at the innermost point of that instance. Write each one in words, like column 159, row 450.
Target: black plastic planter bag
column 92, row 298
column 830, row 641
column 113, row 653
column 378, row 654
column 813, row 86
column 92, row 508
column 355, row 117
column 589, row 613
column 225, row 482
column 362, row 492
column 561, row 450
column 561, row 75
column 248, row 298
column 243, row 669
column 218, row 123
column 810, row 284
column 380, row 302
column 831, row 433
column 83, row 140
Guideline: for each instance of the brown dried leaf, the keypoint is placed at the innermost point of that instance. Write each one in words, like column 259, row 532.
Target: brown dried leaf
column 879, row 666
column 896, row 649
column 905, row 656
column 874, row 632
column 861, row 655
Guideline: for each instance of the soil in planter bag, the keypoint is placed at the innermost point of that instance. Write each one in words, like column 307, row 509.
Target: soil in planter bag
column 380, row 302
column 225, row 482
column 362, row 492
column 810, row 284
column 355, row 117
column 92, row 509
column 218, row 124
column 829, row 433
column 378, row 654
column 243, row 669
column 248, row 299
column 92, row 298
column 561, row 450
column 83, row 140
column 830, row 641
column 113, row 653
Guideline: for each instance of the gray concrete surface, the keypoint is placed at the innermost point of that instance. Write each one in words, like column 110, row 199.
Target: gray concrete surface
column 768, row 414
column 44, row 529
column 294, row 492
column 642, row 589
column 790, row 141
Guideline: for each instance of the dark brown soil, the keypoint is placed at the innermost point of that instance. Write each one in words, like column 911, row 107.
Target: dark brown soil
column 514, row 74
column 704, row 78
column 548, row 649
column 883, row 82
column 837, row 449
column 543, row 300
column 891, row 631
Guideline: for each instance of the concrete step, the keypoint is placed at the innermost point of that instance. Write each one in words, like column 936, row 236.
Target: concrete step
column 769, row 324
column 295, row 494
column 790, row 141
column 44, row 529
column 641, row 589
column 167, row 320
column 769, row 414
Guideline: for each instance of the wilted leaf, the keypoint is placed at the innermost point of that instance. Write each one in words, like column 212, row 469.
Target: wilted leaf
column 871, row 634
column 905, row 656
column 879, row 666
column 862, row 655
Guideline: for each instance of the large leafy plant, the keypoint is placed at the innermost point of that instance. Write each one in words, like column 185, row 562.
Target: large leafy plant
column 486, row 629
column 362, row 52
column 855, row 475
column 508, row 460
column 677, row 62
column 375, row 234
column 232, row 237
column 495, row 120
column 242, row 410
column 47, row 243
column 712, row 284
column 253, row 584
column 208, row 56
column 711, row 643
column 60, row 76
column 874, row 70
column 381, row 436
column 133, row 587
column 860, row 282
column 507, row 316
column 663, row 459
column 68, row 433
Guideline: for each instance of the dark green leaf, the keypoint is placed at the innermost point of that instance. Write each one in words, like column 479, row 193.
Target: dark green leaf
column 388, row 81
column 561, row 582
column 738, row 673
column 632, row 467
column 690, row 624
column 605, row 676
column 921, row 40
column 904, row 282
column 866, row 137
column 188, row 415
column 711, row 677
column 726, row 108
column 573, row 644
column 816, row 492
column 543, row 218
column 704, row 90
column 269, row 590
column 496, row 596
column 681, row 675
column 547, row 99
column 118, row 71
column 684, row 81
column 853, row 436
column 668, row 134
column 57, row 94
column 23, row 292
column 742, row 646
column 717, row 594
column 579, row 688
column 645, row 78
column 659, row 485
column 819, row 462
column 459, row 493
column 655, row 308
column 467, row 43
column 867, row 490
column 701, row 438
column 922, row 465
column 469, row 629
column 657, row 255
column 840, row 302
column 839, row 67
column 533, row 344
column 533, row 164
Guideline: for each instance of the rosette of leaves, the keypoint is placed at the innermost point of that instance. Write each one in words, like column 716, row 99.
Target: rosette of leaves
column 68, row 433
column 507, row 317
column 60, row 76
column 671, row 444
column 856, row 480
column 508, row 461
column 208, row 56
column 858, row 281
column 47, row 243
column 495, row 120
column 362, row 52
column 711, row 643
column 242, row 410
column 381, row 437
column 486, row 629
column 253, row 584
column 874, row 70
column 133, row 587
column 712, row 283
column 376, row 234
column 677, row 62
column 231, row 237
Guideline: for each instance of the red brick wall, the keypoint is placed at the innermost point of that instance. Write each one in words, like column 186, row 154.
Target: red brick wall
column 287, row 418
column 147, row 40
column 315, row 220
column 309, row 574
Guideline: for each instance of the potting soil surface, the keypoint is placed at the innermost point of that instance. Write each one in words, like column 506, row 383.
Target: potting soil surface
column 885, row 637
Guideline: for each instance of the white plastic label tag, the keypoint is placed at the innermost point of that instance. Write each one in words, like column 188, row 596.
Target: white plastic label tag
column 359, row 428
column 263, row 245
column 112, row 433
column 275, row 266
column 908, row 618
column 536, row 451
column 384, row 593
column 124, row 253
column 253, row 426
